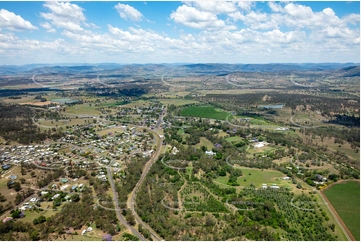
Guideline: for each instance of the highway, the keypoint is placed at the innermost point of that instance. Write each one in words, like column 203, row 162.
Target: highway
column 132, row 197
column 117, row 209
column 131, row 200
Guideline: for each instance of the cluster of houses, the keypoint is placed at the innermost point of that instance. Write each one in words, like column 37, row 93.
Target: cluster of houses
column 16, row 154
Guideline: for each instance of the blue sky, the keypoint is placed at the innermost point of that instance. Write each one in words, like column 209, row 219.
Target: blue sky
column 173, row 31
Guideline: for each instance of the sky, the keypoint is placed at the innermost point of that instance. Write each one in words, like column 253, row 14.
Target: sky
column 179, row 32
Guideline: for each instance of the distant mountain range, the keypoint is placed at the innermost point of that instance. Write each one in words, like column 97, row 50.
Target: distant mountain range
column 350, row 69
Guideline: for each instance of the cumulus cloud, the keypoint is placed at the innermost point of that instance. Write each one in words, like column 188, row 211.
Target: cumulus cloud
column 245, row 5
column 64, row 15
column 48, row 27
column 289, row 33
column 15, row 22
column 194, row 18
column 128, row 12
column 215, row 7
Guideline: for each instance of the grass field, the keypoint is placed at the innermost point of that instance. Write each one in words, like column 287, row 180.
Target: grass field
column 63, row 123
column 31, row 215
column 204, row 142
column 345, row 198
column 234, row 139
column 176, row 102
column 204, row 112
column 257, row 178
column 82, row 109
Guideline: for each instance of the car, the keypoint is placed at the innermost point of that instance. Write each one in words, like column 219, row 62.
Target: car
column 33, row 199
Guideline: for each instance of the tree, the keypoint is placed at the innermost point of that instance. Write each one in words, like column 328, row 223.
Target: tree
column 17, row 186
column 130, row 217
column 34, row 235
column 75, row 197
column 18, row 198
column 16, row 214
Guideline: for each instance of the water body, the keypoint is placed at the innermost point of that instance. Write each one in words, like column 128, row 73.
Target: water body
column 271, row 106
column 64, row 100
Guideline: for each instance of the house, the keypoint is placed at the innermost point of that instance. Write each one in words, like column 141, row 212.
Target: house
column 64, row 180
column 264, row 186
column 5, row 166
column 259, row 145
column 175, row 150
column 210, row 153
column 34, row 200
column 319, row 177
column 7, row 219
column 13, row 177
column 74, row 187
column 44, row 193
column 274, row 187
column 55, row 196
column 286, row 178
column 63, row 187
column 281, row 129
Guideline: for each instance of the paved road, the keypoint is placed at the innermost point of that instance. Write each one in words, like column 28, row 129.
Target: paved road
column 132, row 197
column 238, row 126
column 148, row 165
column 117, row 208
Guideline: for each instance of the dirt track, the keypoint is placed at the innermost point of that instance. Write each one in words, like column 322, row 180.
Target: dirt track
column 333, row 211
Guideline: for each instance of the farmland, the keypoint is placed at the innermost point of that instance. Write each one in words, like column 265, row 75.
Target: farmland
column 345, row 198
column 204, row 112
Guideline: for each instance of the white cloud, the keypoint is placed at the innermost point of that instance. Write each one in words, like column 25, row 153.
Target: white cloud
column 128, row 12
column 215, row 7
column 48, row 27
column 194, row 18
column 15, row 22
column 289, row 33
column 245, row 5
column 65, row 15
column 275, row 7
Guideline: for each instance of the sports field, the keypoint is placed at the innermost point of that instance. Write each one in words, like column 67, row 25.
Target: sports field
column 345, row 198
column 204, row 112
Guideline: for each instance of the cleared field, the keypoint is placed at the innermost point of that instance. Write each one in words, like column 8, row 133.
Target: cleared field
column 345, row 198
column 258, row 177
column 204, row 142
column 22, row 100
column 63, row 123
column 176, row 102
column 112, row 130
column 204, row 112
column 82, row 109
column 234, row 139
column 31, row 215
